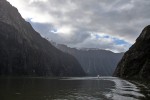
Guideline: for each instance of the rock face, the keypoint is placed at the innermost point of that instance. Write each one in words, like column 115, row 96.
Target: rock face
column 136, row 61
column 24, row 52
column 94, row 61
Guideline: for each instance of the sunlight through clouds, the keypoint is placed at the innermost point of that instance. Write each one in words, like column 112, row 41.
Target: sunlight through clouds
column 71, row 22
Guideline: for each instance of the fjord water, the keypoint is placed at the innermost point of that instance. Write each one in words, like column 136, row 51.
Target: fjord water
column 84, row 88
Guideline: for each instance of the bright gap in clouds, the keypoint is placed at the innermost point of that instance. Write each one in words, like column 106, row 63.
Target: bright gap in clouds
column 106, row 24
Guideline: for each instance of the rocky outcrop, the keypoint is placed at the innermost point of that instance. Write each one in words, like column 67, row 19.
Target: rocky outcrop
column 136, row 61
column 24, row 52
column 94, row 61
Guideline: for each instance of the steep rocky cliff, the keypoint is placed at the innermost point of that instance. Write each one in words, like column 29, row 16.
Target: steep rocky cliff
column 94, row 61
column 24, row 52
column 136, row 61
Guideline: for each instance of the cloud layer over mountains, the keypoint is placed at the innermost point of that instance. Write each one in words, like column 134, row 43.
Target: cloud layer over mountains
column 106, row 24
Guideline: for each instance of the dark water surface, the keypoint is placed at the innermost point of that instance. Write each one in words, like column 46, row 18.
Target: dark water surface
column 86, row 88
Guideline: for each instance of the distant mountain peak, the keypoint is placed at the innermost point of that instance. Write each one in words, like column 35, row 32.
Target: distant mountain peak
column 94, row 61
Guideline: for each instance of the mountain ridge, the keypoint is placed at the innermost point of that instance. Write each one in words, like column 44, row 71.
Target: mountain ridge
column 136, row 61
column 93, row 61
column 25, row 52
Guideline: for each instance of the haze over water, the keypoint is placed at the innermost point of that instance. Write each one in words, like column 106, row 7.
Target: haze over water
column 85, row 88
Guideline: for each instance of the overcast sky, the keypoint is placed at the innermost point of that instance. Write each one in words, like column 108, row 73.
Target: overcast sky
column 106, row 24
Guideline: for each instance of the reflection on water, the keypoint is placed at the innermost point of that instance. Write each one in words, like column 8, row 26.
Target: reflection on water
column 89, row 88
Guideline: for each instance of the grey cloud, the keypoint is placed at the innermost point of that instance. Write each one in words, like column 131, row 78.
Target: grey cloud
column 44, row 30
column 123, row 19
